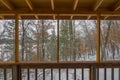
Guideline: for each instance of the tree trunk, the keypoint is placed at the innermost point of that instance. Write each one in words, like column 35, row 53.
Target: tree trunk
column 43, row 42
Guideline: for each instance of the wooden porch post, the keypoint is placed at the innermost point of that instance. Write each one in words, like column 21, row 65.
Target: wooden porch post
column 16, row 69
column 16, row 39
column 98, row 39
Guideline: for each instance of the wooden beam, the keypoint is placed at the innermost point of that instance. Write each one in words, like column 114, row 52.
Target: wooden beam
column 52, row 4
column 117, row 6
column 98, row 39
column 54, row 17
column 75, row 4
column 29, row 3
column 106, row 17
column 71, row 17
column 7, row 4
column 1, row 17
column 97, row 5
column 47, row 12
column 81, row 14
column 65, row 64
column 88, row 17
column 36, row 16
column 19, row 17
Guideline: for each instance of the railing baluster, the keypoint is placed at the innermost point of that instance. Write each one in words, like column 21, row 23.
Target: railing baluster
column 12, row 73
column 59, row 74
column 105, row 78
column 28, row 74
column 16, row 72
column 119, row 74
column 51, row 73
column 67, row 74
column 97, row 74
column 74, row 73
column 92, row 73
column 112, row 75
column 43, row 73
column 35, row 73
column 20, row 73
column 5, row 75
column 82, row 73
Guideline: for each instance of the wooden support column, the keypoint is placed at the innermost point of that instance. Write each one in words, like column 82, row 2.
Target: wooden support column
column 16, row 70
column 98, row 39
column 16, row 39
column 57, row 41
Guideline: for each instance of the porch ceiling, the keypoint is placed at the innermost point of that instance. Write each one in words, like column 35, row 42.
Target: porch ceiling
column 62, row 9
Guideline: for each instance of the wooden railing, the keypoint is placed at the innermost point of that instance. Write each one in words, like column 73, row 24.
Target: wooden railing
column 60, row 71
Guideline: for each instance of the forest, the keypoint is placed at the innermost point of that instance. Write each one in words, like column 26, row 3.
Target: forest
column 38, row 40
